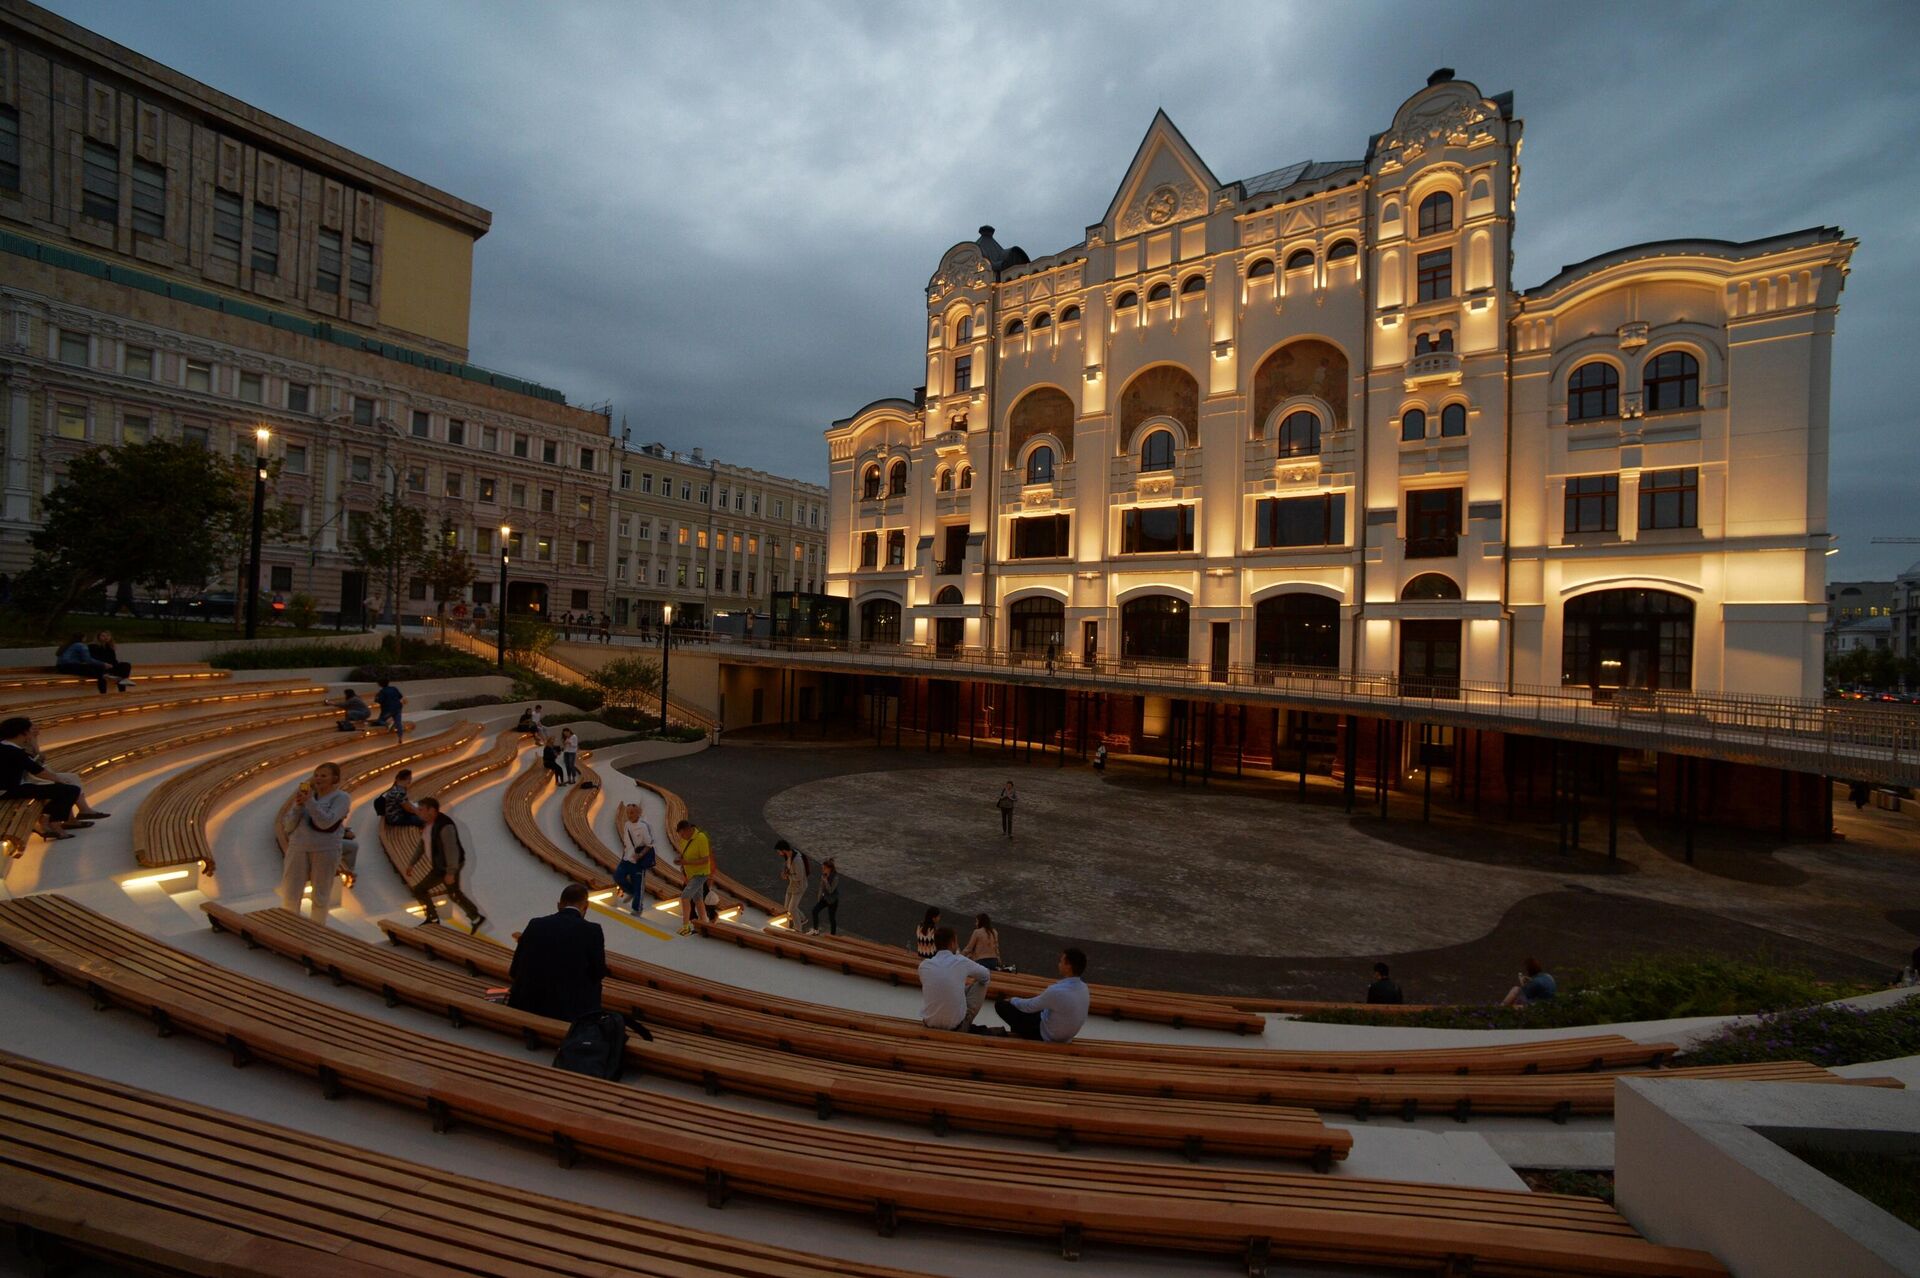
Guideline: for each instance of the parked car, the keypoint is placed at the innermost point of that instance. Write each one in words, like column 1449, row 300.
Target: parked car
column 212, row 604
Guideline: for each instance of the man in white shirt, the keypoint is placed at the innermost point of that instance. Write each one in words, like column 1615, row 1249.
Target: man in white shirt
column 1055, row 1014
column 636, row 855
column 952, row 989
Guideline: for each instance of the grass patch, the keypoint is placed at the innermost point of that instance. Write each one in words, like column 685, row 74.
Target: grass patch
column 1644, row 988
column 411, row 659
column 1890, row 1182
column 1584, row 1184
column 1823, row 1035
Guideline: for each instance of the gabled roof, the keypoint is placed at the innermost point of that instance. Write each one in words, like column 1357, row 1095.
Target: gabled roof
column 1161, row 134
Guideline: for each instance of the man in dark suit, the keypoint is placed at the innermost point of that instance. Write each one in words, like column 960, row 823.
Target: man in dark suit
column 560, row 961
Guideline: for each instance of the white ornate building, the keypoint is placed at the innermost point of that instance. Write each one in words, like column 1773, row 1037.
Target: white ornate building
column 1305, row 419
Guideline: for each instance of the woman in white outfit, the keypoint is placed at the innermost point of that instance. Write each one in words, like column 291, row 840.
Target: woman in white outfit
column 319, row 816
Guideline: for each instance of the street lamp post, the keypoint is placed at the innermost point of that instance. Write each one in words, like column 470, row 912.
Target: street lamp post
column 260, row 437
column 506, row 532
column 666, row 654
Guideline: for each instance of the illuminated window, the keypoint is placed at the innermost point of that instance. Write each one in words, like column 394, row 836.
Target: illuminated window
column 1300, row 435
column 1433, row 278
column 1436, row 213
column 1593, row 391
column 1593, row 503
column 1672, row 381
column 870, row 484
column 1040, row 465
column 1670, row 498
column 1157, row 452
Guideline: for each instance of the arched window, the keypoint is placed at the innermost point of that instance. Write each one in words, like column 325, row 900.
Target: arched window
column 1193, row 284
column 1430, row 585
column 897, row 479
column 1157, row 452
column 1036, row 621
column 1436, row 213
column 1628, row 639
column 1070, row 315
column 1154, row 628
column 945, row 481
column 1260, row 269
column 1300, row 435
column 948, row 596
column 1299, row 259
column 1413, row 425
column 1126, row 301
column 1043, row 320
column 1342, row 250
column 1297, row 630
column 1040, row 465
column 1453, row 420
column 870, row 484
column 1672, row 381
column 963, row 331
column 1160, row 292
column 880, row 621
column 966, row 478
column 1593, row 391
column 1015, row 327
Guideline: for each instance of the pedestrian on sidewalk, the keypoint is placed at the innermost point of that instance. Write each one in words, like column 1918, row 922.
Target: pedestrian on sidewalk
column 696, row 862
column 637, row 855
column 828, row 899
column 795, row 870
column 1008, row 798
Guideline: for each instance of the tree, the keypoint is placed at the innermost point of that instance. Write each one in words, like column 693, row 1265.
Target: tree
column 448, row 570
column 156, row 514
column 391, row 540
column 626, row 681
column 527, row 641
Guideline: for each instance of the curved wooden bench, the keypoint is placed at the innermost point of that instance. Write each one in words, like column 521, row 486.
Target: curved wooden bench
column 819, row 1083
column 402, row 843
column 152, row 1180
column 374, row 764
column 160, row 701
column 516, row 805
column 577, row 811
column 170, row 827
column 806, row 1030
column 1256, row 1213
column 101, row 754
column 16, row 679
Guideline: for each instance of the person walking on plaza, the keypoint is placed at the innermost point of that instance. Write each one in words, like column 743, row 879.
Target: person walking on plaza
column 319, row 817
column 1535, row 986
column 983, row 947
column 1100, row 758
column 637, row 855
column 828, row 899
column 560, row 961
column 953, row 989
column 446, row 860
column 1008, row 798
column 696, row 862
column 102, row 650
column 1055, row 1014
column 795, row 870
column 22, row 777
column 570, row 755
column 390, row 701
column 923, row 944
column 1384, row 989
column 77, row 659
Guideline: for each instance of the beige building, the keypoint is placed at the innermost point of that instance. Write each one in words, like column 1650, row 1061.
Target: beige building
column 712, row 540
column 1304, row 419
column 176, row 262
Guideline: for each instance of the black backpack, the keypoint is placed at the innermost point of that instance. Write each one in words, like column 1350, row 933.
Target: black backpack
column 380, row 804
column 597, row 1045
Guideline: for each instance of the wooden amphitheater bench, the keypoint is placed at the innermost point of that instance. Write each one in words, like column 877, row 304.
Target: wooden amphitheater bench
column 577, row 811
column 164, row 701
column 92, row 1167
column 371, row 765
column 699, row 1005
column 32, row 678
column 1259, row 1214
column 516, row 805
column 102, row 753
column 402, row 843
column 822, row 1084
column 170, row 827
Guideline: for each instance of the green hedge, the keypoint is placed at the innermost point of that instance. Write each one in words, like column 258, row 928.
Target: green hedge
column 412, row 659
column 1823, row 1035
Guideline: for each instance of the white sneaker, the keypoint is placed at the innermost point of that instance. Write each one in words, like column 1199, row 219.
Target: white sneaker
column 126, row 683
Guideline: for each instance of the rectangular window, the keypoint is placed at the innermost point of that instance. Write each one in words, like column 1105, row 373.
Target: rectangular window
column 520, row 446
column 140, row 363
column 299, row 397
column 296, row 515
column 543, row 549
column 280, row 577
column 416, row 589
column 686, row 491
column 752, row 584
column 252, row 388
column 195, row 435
column 456, row 484
column 422, row 425
column 963, row 374
column 700, row 577
column 680, row 575
column 780, row 510
column 326, row 263
column 266, row 239
column 660, row 575
column 1434, row 278
column 100, row 182
column 700, row 539
column 518, row 492
column 416, row 479
column 646, row 482
column 682, row 534
column 549, row 452
column 226, row 227
column 643, row 531
column 363, row 411
column 9, row 148
column 356, row 525
column 136, row 430
column 1670, row 498
column 456, row 432
column 360, row 277
column 582, row 599
column 487, row 488
column 295, row 461
column 1433, row 523
column 626, row 479
column 489, row 439
column 733, row 580
column 73, row 348
column 70, row 421
column 360, row 469
column 1039, row 537
column 546, row 501
column 1593, row 503
column 753, row 544
column 1156, row 530
column 517, row 545
column 1300, row 521
column 705, row 494
column 583, row 554
column 149, row 198
column 586, row 459
column 756, row 503
column 736, row 543
column 583, row 505
column 483, row 541
column 199, row 376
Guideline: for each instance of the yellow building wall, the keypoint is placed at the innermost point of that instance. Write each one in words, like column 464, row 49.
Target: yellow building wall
column 426, row 278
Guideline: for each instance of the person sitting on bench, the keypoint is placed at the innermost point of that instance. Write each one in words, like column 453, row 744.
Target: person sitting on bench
column 77, row 659
column 952, row 989
column 1384, row 989
column 560, row 961
column 23, row 778
column 1055, row 1014
column 357, row 712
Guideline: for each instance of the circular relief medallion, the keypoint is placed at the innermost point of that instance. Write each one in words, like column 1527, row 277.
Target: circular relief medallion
column 1162, row 204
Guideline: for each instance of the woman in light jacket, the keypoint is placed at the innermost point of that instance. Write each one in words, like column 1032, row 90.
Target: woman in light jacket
column 319, row 815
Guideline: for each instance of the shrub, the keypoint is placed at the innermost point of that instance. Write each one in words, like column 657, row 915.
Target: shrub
column 1823, row 1035
column 290, row 656
column 626, row 681
column 527, row 640
column 303, row 610
column 411, row 659
column 528, row 686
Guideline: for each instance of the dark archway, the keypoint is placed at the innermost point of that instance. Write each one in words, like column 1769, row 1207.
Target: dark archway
column 1035, row 622
column 1628, row 638
column 1154, row 628
column 1429, row 586
column 1308, row 366
column 1297, row 630
column 880, row 621
column 1162, row 391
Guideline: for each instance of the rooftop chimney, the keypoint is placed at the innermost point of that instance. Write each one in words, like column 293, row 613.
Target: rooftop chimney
column 1441, row 76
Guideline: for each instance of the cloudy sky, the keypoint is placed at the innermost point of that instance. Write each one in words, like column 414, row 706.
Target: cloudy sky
column 720, row 216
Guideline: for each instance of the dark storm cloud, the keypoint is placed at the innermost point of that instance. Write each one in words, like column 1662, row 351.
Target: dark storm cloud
column 720, row 216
